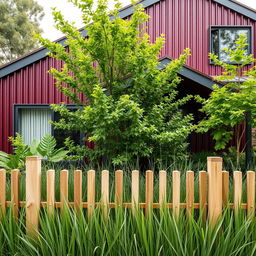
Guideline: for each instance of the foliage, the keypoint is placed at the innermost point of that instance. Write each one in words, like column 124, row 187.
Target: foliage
column 18, row 19
column 132, row 109
column 227, row 105
column 125, row 234
column 45, row 148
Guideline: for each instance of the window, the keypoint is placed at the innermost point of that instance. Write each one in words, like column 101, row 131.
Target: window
column 225, row 37
column 32, row 122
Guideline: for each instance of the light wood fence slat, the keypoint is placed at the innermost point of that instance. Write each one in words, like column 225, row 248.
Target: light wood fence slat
column 189, row 192
column 105, row 191
column 203, row 192
column 33, row 193
column 2, row 191
column 214, row 169
column 78, row 189
column 162, row 187
column 225, row 188
column 63, row 189
column 50, row 176
column 176, row 193
column 15, row 176
column 135, row 190
column 237, row 190
column 149, row 191
column 250, row 186
column 119, row 187
column 90, row 192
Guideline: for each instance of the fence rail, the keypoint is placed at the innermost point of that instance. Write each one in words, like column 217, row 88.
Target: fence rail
column 213, row 191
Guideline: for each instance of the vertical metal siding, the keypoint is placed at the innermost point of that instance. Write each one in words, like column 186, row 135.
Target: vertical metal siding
column 185, row 23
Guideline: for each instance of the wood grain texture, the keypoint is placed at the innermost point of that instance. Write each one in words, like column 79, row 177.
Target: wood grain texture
column 91, row 192
column 176, row 193
column 149, row 191
column 214, row 169
column 237, row 175
column 63, row 189
column 15, row 177
column 119, row 187
column 50, row 183
column 33, row 193
column 190, row 192
column 135, row 190
column 162, row 187
column 2, row 191
column 105, row 191
column 250, row 188
column 78, row 189
column 203, row 193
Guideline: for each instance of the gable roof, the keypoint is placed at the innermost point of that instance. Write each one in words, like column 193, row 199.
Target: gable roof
column 40, row 53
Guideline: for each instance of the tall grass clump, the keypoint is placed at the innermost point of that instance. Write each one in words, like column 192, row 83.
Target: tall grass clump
column 122, row 233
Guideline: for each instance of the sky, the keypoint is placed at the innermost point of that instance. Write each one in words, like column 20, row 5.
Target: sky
column 71, row 13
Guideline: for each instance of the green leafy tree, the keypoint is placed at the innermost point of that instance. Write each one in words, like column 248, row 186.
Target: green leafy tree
column 18, row 19
column 132, row 110
column 227, row 106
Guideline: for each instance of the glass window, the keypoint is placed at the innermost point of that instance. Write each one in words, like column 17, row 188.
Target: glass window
column 34, row 123
column 225, row 37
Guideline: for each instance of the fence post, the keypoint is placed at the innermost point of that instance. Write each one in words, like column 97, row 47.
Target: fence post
column 203, row 193
column 250, row 193
column 119, row 187
column 162, row 187
column 105, row 191
column 190, row 192
column 237, row 190
column 214, row 168
column 15, row 175
column 33, row 193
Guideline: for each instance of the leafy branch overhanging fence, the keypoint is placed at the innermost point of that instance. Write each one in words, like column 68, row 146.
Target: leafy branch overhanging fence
column 213, row 192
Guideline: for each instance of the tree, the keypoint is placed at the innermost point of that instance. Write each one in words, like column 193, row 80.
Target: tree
column 227, row 106
column 132, row 110
column 18, row 19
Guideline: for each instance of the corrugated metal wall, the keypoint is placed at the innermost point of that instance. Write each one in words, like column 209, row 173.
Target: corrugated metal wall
column 185, row 23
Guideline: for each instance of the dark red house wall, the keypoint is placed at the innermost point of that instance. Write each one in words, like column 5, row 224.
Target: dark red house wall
column 185, row 23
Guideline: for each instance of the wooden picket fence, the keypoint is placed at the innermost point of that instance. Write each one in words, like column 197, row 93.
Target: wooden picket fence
column 213, row 191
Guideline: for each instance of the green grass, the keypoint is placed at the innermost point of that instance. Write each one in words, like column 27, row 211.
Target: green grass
column 123, row 234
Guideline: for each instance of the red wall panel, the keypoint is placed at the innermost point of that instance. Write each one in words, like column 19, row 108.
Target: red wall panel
column 185, row 23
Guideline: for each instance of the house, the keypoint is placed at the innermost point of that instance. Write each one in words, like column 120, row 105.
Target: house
column 26, row 89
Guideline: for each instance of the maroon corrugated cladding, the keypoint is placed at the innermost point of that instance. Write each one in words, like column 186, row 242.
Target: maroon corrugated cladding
column 185, row 24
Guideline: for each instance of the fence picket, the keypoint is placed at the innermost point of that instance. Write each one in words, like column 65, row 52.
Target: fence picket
column 90, row 192
column 63, row 189
column 250, row 186
column 78, row 189
column 176, row 193
column 15, row 192
column 50, row 191
column 225, row 188
column 105, row 191
column 119, row 187
column 237, row 190
column 203, row 192
column 135, row 190
column 162, row 187
column 149, row 191
column 2, row 191
column 189, row 192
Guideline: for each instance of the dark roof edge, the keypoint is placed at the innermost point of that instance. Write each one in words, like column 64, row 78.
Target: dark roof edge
column 192, row 74
column 39, row 54
column 240, row 8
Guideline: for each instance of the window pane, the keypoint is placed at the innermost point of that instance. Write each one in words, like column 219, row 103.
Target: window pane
column 215, row 41
column 34, row 124
column 227, row 40
column 61, row 135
